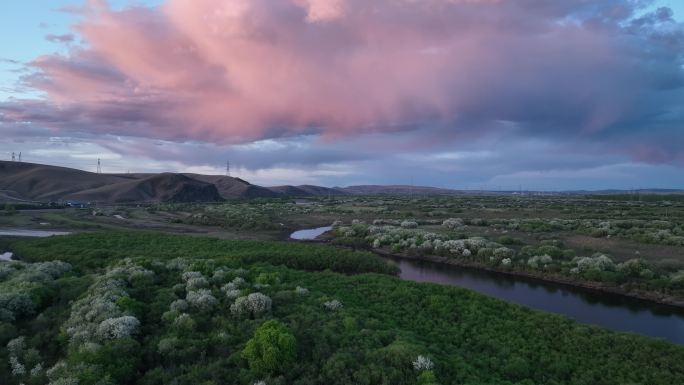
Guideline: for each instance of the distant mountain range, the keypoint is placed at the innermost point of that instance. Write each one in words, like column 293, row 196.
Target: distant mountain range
column 30, row 182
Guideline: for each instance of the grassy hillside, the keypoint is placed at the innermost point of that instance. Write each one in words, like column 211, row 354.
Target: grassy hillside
column 146, row 308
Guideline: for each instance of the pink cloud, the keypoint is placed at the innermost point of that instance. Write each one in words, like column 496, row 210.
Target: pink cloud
column 235, row 71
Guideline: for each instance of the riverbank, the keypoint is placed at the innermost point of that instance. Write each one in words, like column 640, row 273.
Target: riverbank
column 599, row 287
column 641, row 295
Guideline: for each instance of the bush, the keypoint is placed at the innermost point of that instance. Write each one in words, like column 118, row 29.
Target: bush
column 508, row 240
column 253, row 305
column 409, row 224
column 272, row 350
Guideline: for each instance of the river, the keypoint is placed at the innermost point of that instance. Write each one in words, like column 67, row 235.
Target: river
column 31, row 233
column 611, row 311
column 309, row 234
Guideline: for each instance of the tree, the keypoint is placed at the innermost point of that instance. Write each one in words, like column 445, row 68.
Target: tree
column 272, row 349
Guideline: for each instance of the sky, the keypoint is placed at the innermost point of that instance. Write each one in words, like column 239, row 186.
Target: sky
column 466, row 94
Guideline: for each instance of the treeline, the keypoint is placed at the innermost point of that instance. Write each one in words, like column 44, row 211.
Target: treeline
column 99, row 250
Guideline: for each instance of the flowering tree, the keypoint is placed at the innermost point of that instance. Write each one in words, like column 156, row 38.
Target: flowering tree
column 253, row 305
column 120, row 327
column 539, row 261
column 333, row 305
column 453, row 223
column 202, row 299
column 422, row 363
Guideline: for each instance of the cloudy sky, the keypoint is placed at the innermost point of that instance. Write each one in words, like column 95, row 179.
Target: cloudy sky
column 494, row 94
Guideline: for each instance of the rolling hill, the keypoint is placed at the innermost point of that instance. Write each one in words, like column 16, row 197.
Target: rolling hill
column 230, row 187
column 30, row 182
column 44, row 183
column 307, row 191
column 164, row 187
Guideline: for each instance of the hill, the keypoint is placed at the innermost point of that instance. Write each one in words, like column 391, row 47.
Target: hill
column 37, row 182
column 307, row 191
column 397, row 190
column 155, row 188
column 29, row 181
column 230, row 187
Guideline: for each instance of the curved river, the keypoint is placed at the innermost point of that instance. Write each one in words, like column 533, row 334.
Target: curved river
column 608, row 310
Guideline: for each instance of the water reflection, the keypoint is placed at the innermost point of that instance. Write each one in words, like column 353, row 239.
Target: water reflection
column 31, row 233
column 309, row 234
column 610, row 311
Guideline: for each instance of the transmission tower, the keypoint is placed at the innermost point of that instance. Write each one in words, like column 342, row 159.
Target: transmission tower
column 227, row 168
column 13, row 156
column 99, row 166
column 19, row 156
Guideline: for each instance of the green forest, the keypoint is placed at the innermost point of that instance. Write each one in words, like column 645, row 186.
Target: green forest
column 148, row 308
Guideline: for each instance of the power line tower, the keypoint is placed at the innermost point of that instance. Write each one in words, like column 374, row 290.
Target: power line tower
column 13, row 156
column 227, row 168
column 99, row 166
column 19, row 156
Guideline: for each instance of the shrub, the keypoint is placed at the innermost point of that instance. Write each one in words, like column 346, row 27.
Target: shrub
column 633, row 267
column 422, row 363
column 268, row 278
column 253, row 305
column 508, row 240
column 333, row 305
column 409, row 224
column 179, row 305
column 116, row 328
column 196, row 283
column 272, row 350
column 598, row 262
column 232, row 293
column 301, row 291
column 453, row 223
column 201, row 299
column 539, row 261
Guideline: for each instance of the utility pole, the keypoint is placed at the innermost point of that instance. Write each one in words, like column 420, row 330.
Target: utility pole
column 99, row 166
column 411, row 189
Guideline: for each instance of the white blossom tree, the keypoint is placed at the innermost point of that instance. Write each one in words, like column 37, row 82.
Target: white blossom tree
column 117, row 328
